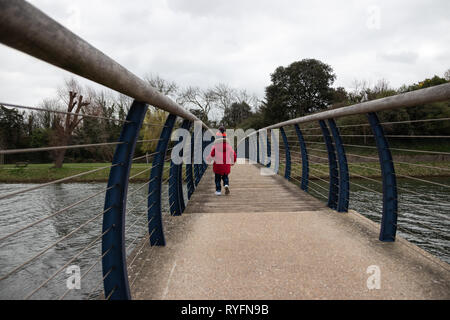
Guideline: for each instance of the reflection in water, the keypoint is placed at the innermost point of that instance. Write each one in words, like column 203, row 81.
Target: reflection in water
column 422, row 220
column 26, row 208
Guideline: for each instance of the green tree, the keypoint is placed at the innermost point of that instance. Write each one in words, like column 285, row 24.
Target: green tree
column 301, row 88
column 151, row 128
column 11, row 129
column 235, row 114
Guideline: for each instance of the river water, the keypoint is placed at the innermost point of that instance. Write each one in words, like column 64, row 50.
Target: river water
column 422, row 220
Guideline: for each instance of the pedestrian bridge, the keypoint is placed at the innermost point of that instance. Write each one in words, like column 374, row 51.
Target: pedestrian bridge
column 286, row 231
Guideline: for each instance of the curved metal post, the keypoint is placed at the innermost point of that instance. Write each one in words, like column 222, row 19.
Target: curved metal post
column 332, row 163
column 269, row 151
column 176, row 199
column 189, row 172
column 203, row 165
column 344, row 184
column 247, row 148
column 114, row 264
column 305, row 163
column 186, row 125
column 389, row 217
column 257, row 147
column 155, row 226
column 197, row 148
column 287, row 169
column 208, row 146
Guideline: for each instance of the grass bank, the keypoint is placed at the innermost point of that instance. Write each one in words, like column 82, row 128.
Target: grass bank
column 38, row 173
column 372, row 169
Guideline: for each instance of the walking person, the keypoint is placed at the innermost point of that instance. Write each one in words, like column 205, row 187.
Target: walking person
column 224, row 157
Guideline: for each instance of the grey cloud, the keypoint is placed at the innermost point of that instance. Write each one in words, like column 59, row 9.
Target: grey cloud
column 202, row 42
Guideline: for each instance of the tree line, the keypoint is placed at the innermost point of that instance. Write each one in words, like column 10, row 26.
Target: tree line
column 82, row 115
column 302, row 88
column 305, row 87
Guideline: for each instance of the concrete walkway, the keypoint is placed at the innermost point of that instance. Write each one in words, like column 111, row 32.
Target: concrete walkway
column 270, row 240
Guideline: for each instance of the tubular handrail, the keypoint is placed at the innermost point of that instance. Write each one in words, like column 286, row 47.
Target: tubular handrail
column 409, row 99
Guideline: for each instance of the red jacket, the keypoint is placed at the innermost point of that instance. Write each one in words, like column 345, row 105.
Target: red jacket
column 224, row 157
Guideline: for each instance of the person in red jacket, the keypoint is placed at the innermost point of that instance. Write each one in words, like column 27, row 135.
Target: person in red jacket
column 224, row 157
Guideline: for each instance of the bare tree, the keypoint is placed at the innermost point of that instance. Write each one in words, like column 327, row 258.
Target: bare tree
column 198, row 99
column 64, row 125
column 251, row 99
column 225, row 96
column 45, row 118
column 168, row 88
column 124, row 104
column 447, row 75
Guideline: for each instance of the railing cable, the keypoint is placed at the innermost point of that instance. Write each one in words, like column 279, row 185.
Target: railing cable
column 56, row 181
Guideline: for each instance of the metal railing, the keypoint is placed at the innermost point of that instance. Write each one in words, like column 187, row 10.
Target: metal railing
column 26, row 28
column 318, row 146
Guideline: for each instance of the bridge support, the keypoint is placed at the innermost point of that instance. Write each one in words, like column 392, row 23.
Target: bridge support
column 114, row 264
column 389, row 216
column 176, row 198
column 203, row 167
column 247, row 148
column 344, row 183
column 257, row 147
column 333, row 170
column 305, row 163
column 287, row 168
column 269, row 150
column 197, row 143
column 275, row 138
column 155, row 226
column 189, row 172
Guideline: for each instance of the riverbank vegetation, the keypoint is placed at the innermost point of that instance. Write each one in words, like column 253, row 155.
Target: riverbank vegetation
column 302, row 88
column 39, row 173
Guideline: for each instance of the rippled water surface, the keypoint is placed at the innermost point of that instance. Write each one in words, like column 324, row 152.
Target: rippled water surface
column 422, row 220
column 24, row 209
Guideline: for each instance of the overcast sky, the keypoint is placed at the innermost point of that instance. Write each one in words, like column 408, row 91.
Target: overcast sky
column 240, row 43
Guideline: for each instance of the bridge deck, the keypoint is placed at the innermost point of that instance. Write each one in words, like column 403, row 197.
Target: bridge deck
column 270, row 240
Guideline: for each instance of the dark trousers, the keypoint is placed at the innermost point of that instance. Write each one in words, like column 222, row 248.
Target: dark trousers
column 218, row 178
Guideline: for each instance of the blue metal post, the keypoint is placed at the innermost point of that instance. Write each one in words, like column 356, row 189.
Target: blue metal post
column 257, row 147
column 203, row 167
column 344, row 184
column 155, row 226
column 332, row 163
column 287, row 170
column 176, row 199
column 207, row 148
column 247, row 148
column 389, row 217
column 305, row 163
column 269, row 151
column 114, row 264
column 189, row 173
column 197, row 166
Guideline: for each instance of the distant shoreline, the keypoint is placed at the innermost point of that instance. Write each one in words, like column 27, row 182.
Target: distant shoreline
column 42, row 173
